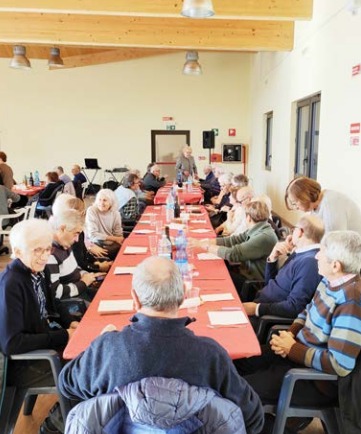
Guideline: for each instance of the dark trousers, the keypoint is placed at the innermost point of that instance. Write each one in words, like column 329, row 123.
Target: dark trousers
column 23, row 373
column 265, row 374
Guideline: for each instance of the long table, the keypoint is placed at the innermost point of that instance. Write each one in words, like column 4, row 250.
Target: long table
column 211, row 276
column 185, row 195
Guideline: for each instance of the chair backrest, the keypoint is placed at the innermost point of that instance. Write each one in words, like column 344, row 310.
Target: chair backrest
column 50, row 200
column 3, row 370
column 5, row 227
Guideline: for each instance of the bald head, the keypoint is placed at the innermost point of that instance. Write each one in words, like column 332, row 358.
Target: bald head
column 158, row 284
column 312, row 227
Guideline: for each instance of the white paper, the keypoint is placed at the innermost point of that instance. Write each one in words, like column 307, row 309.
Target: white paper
column 148, row 214
column 144, row 222
column 176, row 226
column 133, row 250
column 143, row 231
column 110, row 306
column 190, row 302
column 227, row 318
column 200, row 231
column 217, row 297
column 198, row 221
column 207, row 256
column 124, row 270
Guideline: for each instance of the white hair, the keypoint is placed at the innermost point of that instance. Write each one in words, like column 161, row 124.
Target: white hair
column 61, row 203
column 226, row 178
column 345, row 247
column 26, row 233
column 109, row 195
column 69, row 218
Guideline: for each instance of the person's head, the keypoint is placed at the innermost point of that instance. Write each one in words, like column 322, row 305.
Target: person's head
column 105, row 200
column 150, row 165
column 207, row 169
column 187, row 151
column 132, row 181
column 67, row 226
column 340, row 254
column 3, row 157
column 267, row 200
column 67, row 201
column 302, row 194
column 240, row 181
column 218, row 171
column 256, row 211
column 59, row 170
column 31, row 242
column 309, row 230
column 52, row 177
column 155, row 170
column 157, row 286
column 75, row 169
column 244, row 195
column 225, row 180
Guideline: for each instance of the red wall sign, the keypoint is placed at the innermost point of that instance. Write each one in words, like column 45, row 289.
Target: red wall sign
column 231, row 131
column 355, row 128
column 356, row 69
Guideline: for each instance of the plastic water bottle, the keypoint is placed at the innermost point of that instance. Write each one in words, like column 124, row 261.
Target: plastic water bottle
column 181, row 258
column 165, row 247
column 190, row 183
column 36, row 178
column 179, row 179
column 169, row 208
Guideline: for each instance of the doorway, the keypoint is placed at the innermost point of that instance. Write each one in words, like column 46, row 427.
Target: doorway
column 166, row 147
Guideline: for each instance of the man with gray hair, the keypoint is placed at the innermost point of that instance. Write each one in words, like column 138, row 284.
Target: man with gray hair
column 66, row 278
column 158, row 344
column 152, row 180
column 326, row 336
column 27, row 305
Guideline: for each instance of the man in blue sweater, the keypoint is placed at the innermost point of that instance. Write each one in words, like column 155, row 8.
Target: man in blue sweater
column 158, row 344
column 290, row 288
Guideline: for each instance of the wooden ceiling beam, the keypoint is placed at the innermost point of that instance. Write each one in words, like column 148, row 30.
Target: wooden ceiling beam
column 225, row 9
column 147, row 32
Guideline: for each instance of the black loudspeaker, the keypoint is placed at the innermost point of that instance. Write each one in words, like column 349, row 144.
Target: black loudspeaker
column 208, row 139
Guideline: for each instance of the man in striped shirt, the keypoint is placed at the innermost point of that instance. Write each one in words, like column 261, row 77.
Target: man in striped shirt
column 326, row 336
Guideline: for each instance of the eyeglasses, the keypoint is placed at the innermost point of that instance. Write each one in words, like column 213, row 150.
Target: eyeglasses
column 40, row 251
column 297, row 227
column 242, row 200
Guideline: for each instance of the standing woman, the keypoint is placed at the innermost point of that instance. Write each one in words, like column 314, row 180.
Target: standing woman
column 103, row 222
column 335, row 209
column 186, row 165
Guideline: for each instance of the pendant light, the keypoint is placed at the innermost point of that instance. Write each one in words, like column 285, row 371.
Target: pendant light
column 192, row 66
column 197, row 8
column 20, row 61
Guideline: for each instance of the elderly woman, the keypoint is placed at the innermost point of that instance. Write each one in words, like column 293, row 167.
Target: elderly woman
column 128, row 202
column 336, row 210
column 185, row 164
column 221, row 203
column 103, row 222
column 249, row 249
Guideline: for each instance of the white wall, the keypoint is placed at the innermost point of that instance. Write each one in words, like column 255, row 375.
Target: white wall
column 325, row 50
column 49, row 118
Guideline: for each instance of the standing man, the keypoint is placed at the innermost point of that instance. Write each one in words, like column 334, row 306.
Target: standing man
column 158, row 344
column 186, row 165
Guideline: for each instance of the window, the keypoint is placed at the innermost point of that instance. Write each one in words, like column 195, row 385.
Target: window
column 269, row 126
column 307, row 132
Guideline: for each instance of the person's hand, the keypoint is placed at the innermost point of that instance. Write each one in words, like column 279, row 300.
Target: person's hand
column 104, row 266
column 186, row 173
column 118, row 240
column 281, row 248
column 225, row 208
column 196, row 176
column 70, row 332
column 250, row 308
column 88, row 278
column 281, row 344
column 98, row 251
column 219, row 229
column 209, row 207
column 108, row 328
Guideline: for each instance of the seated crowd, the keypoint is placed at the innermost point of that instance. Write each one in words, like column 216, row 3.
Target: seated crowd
column 311, row 276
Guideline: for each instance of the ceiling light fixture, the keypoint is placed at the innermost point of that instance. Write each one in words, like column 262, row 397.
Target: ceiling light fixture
column 197, row 8
column 55, row 61
column 20, row 61
column 192, row 66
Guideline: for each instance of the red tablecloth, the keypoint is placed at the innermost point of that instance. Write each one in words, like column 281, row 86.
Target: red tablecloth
column 184, row 195
column 210, row 276
column 28, row 191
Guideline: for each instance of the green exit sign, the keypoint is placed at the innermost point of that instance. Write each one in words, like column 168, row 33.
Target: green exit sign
column 216, row 131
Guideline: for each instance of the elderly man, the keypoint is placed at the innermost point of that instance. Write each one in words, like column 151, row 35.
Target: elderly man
column 157, row 343
column 209, row 184
column 27, row 305
column 66, row 278
column 185, row 164
column 250, row 249
column 289, row 289
column 78, row 176
column 326, row 336
column 152, row 180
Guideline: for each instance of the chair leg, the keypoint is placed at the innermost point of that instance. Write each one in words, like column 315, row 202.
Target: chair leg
column 12, row 408
column 29, row 404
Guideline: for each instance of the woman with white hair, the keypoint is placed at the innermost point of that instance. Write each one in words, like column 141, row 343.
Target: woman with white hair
column 103, row 222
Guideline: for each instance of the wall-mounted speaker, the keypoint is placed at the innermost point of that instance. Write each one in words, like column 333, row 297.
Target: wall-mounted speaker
column 208, row 139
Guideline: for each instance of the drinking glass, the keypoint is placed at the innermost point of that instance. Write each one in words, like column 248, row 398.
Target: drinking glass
column 158, row 227
column 153, row 219
column 153, row 244
column 194, row 294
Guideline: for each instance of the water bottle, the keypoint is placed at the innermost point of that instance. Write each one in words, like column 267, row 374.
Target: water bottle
column 190, row 183
column 36, row 178
column 179, row 179
column 181, row 258
column 169, row 208
column 31, row 180
column 164, row 247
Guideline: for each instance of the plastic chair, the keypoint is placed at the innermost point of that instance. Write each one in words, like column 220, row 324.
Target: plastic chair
column 45, row 210
column 5, row 229
column 329, row 415
column 266, row 323
column 13, row 397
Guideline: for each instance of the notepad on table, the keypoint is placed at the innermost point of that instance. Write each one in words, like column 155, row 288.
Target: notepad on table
column 114, row 306
column 143, row 231
column 217, row 297
column 133, row 250
column 190, row 302
column 124, row 270
column 207, row 256
column 176, row 226
column 227, row 317
column 200, row 230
